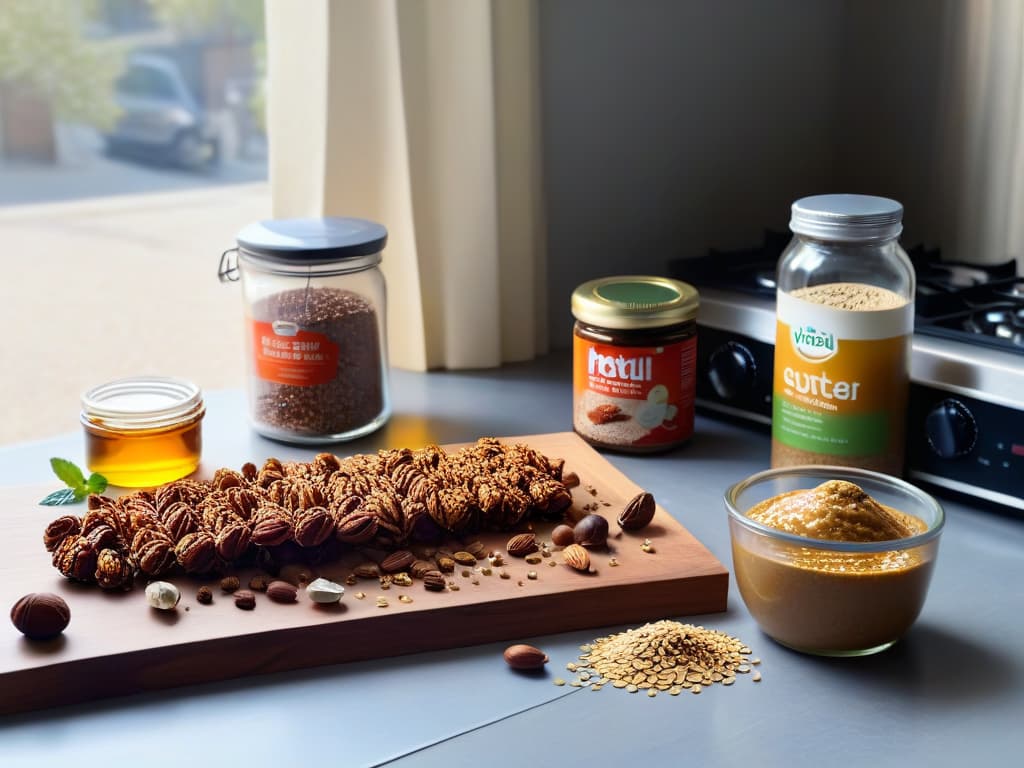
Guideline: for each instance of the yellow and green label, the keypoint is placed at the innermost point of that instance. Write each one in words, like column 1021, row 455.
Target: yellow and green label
column 841, row 377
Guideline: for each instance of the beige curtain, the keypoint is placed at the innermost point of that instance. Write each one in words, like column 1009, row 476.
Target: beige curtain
column 422, row 115
column 978, row 201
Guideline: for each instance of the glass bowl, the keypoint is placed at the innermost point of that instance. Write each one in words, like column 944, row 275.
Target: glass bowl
column 832, row 598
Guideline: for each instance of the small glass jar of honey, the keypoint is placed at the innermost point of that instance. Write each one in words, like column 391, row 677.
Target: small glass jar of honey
column 143, row 431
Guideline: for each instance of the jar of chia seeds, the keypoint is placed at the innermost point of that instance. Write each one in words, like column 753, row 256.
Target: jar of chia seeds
column 315, row 343
column 634, row 362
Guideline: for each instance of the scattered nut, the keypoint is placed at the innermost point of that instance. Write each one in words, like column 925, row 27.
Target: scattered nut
column 258, row 583
column 570, row 479
column 563, row 536
column 204, row 596
column 576, row 557
column 434, row 581
column 282, row 591
column 464, row 558
column 525, row 657
column 591, row 531
column 398, row 561
column 647, row 546
column 162, row 595
column 229, row 583
column 638, row 512
column 521, row 545
column 367, row 570
column 40, row 615
column 245, row 600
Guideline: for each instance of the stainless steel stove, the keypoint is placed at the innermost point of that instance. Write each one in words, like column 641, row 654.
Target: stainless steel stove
column 965, row 428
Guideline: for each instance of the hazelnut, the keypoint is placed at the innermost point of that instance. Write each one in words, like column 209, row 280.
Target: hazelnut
column 591, row 531
column 563, row 536
column 40, row 615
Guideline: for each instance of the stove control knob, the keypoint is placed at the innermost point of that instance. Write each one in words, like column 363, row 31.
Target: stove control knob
column 951, row 429
column 732, row 370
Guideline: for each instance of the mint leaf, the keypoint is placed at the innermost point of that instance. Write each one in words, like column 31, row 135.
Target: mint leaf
column 96, row 483
column 57, row 498
column 68, row 472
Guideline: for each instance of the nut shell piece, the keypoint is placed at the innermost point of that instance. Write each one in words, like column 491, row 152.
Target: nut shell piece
column 162, row 595
column 40, row 615
column 525, row 657
column 324, row 591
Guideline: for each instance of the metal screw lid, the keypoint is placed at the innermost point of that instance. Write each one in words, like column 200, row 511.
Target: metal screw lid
column 635, row 302
column 847, row 218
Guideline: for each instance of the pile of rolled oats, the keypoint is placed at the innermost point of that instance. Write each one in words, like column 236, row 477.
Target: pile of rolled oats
column 380, row 500
column 662, row 656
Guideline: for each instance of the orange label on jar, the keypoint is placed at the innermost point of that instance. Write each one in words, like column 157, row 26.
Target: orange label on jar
column 634, row 396
column 285, row 354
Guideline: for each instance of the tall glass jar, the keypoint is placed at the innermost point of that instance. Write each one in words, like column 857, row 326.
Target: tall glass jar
column 845, row 306
column 315, row 327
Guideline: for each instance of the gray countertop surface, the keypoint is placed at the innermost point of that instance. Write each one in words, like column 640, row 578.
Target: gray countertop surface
column 950, row 693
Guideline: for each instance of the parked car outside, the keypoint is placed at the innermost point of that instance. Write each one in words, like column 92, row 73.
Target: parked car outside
column 161, row 118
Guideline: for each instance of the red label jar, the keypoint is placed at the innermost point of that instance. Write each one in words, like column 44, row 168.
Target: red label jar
column 634, row 362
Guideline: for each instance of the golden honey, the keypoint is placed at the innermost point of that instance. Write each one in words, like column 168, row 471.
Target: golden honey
column 143, row 432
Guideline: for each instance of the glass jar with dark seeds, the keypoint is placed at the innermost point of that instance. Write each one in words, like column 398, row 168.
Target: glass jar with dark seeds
column 315, row 341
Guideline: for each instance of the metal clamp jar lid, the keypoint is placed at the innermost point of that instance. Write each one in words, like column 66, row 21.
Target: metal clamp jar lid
column 315, row 310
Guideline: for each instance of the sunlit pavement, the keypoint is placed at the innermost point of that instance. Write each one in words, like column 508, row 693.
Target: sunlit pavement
column 104, row 287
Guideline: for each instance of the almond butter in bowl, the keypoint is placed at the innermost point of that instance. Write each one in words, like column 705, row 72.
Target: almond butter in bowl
column 833, row 560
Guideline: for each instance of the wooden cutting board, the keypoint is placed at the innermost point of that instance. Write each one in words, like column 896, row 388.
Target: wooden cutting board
column 115, row 644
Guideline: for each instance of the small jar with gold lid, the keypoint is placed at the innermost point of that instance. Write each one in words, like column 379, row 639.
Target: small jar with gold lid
column 143, row 431
column 634, row 362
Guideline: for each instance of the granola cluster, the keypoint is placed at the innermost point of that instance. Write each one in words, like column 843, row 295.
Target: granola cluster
column 381, row 500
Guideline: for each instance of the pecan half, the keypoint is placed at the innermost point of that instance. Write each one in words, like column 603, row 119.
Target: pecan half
column 314, row 527
column 197, row 552
column 232, row 540
column 521, row 545
column 59, row 529
column 397, row 561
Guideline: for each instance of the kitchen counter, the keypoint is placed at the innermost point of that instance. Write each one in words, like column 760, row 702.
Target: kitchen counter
column 950, row 693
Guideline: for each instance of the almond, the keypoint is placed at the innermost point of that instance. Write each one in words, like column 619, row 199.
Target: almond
column 282, row 592
column 525, row 657
column 576, row 557
column 521, row 545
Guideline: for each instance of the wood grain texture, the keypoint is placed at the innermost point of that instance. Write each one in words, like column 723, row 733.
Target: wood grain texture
column 116, row 645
